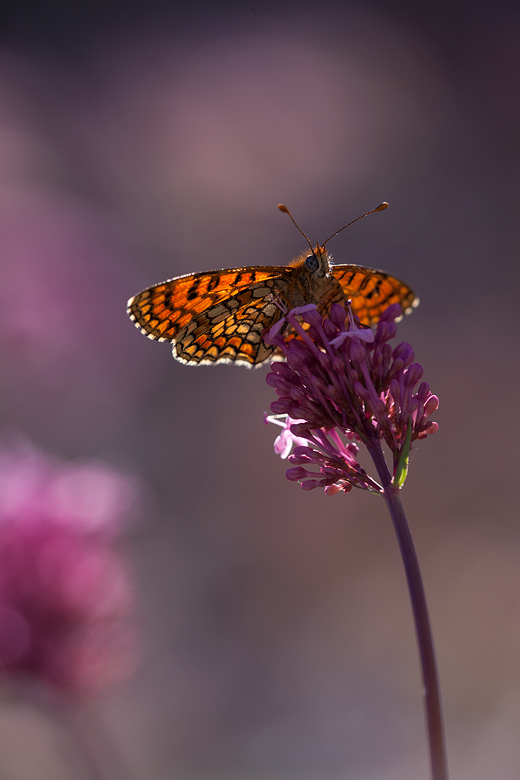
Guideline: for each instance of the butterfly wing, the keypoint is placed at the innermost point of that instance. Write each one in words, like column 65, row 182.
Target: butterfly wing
column 370, row 291
column 215, row 317
column 219, row 316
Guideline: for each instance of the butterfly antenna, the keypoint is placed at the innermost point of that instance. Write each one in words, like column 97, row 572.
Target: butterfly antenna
column 381, row 207
column 286, row 211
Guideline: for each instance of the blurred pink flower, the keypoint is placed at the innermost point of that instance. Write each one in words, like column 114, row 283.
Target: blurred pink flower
column 65, row 592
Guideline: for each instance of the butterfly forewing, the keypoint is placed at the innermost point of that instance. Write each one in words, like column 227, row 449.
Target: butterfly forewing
column 370, row 292
column 164, row 310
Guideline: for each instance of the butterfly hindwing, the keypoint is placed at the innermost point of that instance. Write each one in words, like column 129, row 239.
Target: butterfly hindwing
column 234, row 337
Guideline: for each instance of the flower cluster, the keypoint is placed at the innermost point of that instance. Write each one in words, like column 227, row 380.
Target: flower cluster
column 341, row 377
column 65, row 593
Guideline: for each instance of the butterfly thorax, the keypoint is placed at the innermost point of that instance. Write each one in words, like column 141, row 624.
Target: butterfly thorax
column 311, row 277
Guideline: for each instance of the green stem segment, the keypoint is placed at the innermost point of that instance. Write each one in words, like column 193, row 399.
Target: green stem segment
column 431, row 691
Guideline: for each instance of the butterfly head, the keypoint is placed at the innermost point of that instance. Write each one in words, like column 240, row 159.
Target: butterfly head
column 318, row 263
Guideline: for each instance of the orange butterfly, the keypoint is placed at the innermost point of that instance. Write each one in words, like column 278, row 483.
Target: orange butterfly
column 220, row 316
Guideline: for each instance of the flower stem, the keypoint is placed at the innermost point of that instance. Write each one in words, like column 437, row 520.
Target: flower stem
column 431, row 689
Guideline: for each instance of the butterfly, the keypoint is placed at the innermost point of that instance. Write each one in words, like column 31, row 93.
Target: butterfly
column 220, row 316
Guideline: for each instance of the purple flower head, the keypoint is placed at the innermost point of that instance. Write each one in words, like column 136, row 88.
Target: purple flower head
column 65, row 593
column 340, row 377
column 342, row 385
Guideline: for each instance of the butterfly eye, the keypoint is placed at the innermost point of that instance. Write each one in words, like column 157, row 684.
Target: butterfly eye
column 311, row 263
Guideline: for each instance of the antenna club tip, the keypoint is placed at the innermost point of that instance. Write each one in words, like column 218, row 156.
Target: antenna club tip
column 283, row 208
column 381, row 207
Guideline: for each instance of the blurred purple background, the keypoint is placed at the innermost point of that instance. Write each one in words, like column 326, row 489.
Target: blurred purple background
column 139, row 141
